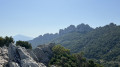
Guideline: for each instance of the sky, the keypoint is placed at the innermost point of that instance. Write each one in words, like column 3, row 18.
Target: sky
column 37, row 17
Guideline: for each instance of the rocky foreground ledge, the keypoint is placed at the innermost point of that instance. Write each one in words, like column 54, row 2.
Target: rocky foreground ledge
column 16, row 56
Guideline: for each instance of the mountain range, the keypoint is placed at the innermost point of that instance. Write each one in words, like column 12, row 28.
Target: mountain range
column 101, row 43
column 22, row 38
column 48, row 38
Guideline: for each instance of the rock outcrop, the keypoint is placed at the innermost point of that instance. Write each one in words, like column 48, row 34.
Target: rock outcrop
column 3, row 56
column 16, row 56
column 81, row 28
column 19, row 57
column 44, row 53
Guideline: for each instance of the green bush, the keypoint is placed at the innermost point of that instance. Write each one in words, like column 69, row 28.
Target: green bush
column 59, row 50
column 24, row 44
column 63, row 58
column 6, row 41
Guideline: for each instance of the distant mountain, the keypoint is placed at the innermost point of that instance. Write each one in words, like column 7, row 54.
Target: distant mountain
column 101, row 43
column 43, row 39
column 81, row 28
column 48, row 38
column 22, row 37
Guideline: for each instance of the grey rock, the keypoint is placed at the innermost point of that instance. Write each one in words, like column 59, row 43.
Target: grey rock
column 52, row 66
column 30, row 51
column 23, row 53
column 3, row 56
column 16, row 56
column 29, row 63
column 41, row 65
column 13, row 64
column 19, row 57
column 44, row 53
column 13, row 54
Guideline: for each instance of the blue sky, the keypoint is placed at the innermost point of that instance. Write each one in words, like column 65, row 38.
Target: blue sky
column 37, row 17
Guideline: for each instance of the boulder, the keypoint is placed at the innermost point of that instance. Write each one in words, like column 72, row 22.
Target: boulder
column 13, row 54
column 13, row 64
column 16, row 56
column 3, row 56
column 19, row 57
column 30, row 51
column 44, row 53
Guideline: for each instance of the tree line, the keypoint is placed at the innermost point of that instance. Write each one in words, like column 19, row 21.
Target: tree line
column 63, row 58
column 5, row 41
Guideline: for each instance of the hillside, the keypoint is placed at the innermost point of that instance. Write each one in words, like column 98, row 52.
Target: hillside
column 48, row 38
column 107, row 37
column 98, row 43
column 101, row 43
column 42, row 39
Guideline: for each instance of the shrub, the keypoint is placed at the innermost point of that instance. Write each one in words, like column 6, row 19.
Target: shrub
column 24, row 44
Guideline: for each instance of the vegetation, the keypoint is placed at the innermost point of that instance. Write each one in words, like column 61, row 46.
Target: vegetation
column 42, row 39
column 102, row 44
column 24, row 44
column 48, row 38
column 6, row 41
column 63, row 58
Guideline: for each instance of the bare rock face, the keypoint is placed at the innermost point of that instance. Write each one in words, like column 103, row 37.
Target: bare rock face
column 30, row 51
column 13, row 64
column 44, row 53
column 16, row 56
column 13, row 54
column 3, row 56
column 19, row 57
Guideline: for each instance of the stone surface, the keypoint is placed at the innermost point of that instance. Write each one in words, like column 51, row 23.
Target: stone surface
column 13, row 54
column 30, row 51
column 44, row 53
column 16, row 56
column 13, row 64
column 52, row 66
column 3, row 56
column 19, row 57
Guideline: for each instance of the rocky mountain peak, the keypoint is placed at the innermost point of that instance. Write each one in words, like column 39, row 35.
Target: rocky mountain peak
column 82, row 28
